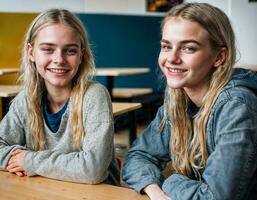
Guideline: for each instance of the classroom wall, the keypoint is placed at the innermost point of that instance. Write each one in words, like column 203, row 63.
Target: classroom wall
column 116, row 41
column 242, row 13
column 13, row 27
column 126, row 41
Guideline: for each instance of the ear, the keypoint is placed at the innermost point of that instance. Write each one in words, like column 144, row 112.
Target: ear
column 30, row 52
column 221, row 57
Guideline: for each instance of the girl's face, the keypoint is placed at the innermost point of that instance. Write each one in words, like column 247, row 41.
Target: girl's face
column 57, row 55
column 186, row 57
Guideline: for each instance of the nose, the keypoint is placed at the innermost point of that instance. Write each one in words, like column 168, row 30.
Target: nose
column 174, row 57
column 59, row 57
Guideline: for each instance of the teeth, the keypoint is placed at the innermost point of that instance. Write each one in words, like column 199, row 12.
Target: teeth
column 58, row 70
column 176, row 70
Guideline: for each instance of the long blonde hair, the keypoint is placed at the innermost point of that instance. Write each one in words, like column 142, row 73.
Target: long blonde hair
column 188, row 140
column 34, row 86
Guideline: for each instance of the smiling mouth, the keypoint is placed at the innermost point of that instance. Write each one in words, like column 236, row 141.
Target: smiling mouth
column 176, row 70
column 55, row 70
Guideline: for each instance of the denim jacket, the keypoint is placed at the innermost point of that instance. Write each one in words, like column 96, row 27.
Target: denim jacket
column 230, row 172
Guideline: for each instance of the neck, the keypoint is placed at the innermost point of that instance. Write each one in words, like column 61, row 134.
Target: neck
column 57, row 98
column 196, row 95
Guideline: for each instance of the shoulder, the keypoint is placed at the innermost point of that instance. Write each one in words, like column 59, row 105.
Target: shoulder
column 96, row 90
column 20, row 99
column 18, row 106
column 240, row 90
column 97, row 98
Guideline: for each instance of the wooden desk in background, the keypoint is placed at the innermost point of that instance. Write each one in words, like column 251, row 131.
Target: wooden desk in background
column 121, row 108
column 9, row 71
column 251, row 67
column 110, row 73
column 4, row 90
column 7, row 92
column 13, row 187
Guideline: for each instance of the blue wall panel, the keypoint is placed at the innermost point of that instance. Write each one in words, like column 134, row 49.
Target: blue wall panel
column 126, row 41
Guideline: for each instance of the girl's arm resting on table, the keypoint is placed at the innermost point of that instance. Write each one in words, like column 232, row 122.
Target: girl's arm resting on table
column 232, row 164
column 90, row 165
column 155, row 192
column 148, row 156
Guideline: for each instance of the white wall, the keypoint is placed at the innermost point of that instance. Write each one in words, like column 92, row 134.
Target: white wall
column 88, row 6
column 116, row 6
column 40, row 5
column 244, row 20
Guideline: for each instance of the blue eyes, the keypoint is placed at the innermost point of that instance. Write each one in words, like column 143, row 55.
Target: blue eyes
column 70, row 51
column 185, row 49
column 47, row 50
column 165, row 48
column 66, row 51
column 189, row 49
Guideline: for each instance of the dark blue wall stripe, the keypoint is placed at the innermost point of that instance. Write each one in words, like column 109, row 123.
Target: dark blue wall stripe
column 126, row 41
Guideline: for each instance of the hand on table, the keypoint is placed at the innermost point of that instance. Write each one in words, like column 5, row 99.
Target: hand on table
column 15, row 164
column 155, row 192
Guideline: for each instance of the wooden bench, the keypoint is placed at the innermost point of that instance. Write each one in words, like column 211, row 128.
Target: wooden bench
column 130, row 92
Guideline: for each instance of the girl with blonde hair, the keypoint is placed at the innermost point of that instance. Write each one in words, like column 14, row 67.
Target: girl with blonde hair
column 207, row 127
column 60, row 125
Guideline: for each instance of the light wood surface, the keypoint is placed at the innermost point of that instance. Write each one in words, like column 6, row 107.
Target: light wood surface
column 130, row 92
column 9, row 71
column 123, row 107
column 251, row 67
column 120, row 71
column 13, row 187
column 9, row 90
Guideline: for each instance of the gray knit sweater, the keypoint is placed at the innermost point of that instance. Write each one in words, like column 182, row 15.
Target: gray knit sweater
column 93, row 163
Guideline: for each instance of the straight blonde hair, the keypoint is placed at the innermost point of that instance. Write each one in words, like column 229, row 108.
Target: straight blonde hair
column 34, row 85
column 188, row 140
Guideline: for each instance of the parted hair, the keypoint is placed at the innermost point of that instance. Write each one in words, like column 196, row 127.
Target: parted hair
column 34, row 85
column 188, row 141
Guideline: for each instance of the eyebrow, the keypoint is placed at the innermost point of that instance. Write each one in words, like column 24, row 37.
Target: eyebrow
column 52, row 44
column 183, row 41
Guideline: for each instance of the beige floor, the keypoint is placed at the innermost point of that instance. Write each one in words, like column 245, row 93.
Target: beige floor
column 121, row 139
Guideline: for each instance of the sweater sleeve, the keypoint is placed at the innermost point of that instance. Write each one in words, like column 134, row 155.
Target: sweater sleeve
column 148, row 156
column 12, row 135
column 230, row 168
column 90, row 164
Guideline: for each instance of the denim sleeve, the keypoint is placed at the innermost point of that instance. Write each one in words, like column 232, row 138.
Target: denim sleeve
column 230, row 168
column 148, row 156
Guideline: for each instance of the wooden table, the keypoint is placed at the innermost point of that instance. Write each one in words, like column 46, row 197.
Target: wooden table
column 9, row 71
column 13, row 187
column 121, row 108
column 110, row 73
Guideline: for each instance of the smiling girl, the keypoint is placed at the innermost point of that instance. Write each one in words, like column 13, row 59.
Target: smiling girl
column 60, row 125
column 207, row 127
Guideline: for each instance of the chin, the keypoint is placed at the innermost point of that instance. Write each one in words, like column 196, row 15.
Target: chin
column 174, row 86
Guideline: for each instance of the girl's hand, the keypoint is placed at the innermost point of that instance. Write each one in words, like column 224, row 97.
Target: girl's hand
column 15, row 164
column 155, row 192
